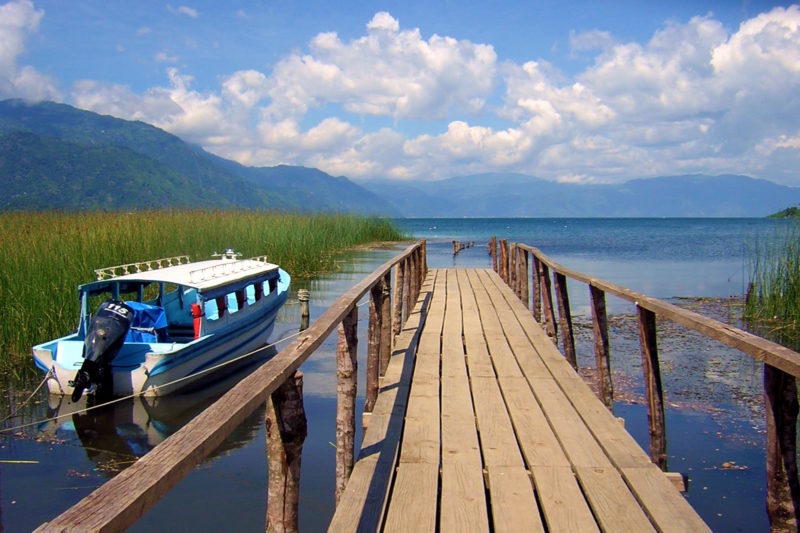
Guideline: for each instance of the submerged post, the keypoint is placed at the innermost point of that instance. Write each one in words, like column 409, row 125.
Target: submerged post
column 653, row 388
column 783, row 488
column 565, row 319
column 286, row 429
column 346, row 372
column 601, row 349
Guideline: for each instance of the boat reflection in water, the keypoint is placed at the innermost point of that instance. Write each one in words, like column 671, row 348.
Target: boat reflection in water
column 115, row 435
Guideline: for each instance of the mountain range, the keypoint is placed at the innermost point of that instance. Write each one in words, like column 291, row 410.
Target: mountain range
column 56, row 156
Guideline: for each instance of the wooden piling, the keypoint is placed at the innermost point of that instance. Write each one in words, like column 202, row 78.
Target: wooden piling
column 601, row 347
column 286, row 430
column 407, row 288
column 504, row 260
column 653, row 388
column 565, row 319
column 512, row 266
column 303, row 297
column 399, row 298
column 547, row 302
column 386, row 322
column 346, row 372
column 424, row 253
column 783, row 489
column 374, row 328
column 537, row 290
column 525, row 278
column 493, row 252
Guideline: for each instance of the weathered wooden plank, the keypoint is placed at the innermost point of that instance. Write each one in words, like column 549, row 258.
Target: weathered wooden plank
column 476, row 351
column 615, row 508
column 665, row 506
column 414, row 498
column 561, row 500
column 498, row 442
column 514, row 506
column 463, row 506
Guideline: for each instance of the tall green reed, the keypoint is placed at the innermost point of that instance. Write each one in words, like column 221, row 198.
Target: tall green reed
column 45, row 255
column 772, row 305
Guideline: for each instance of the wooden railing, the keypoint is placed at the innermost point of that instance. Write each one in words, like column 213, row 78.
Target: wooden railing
column 781, row 365
column 125, row 498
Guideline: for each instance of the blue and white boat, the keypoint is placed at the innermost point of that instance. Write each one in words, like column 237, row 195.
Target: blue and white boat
column 155, row 327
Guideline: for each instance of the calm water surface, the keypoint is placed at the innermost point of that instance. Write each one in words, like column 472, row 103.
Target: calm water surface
column 711, row 416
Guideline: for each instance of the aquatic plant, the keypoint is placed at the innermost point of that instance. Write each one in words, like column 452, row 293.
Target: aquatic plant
column 45, row 255
column 772, row 304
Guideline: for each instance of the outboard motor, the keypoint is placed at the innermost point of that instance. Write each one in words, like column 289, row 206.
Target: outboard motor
column 103, row 341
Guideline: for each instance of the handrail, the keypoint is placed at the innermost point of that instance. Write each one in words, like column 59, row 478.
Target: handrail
column 781, row 364
column 140, row 266
column 756, row 347
column 126, row 497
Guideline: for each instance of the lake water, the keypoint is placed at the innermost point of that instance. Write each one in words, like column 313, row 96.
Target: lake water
column 714, row 412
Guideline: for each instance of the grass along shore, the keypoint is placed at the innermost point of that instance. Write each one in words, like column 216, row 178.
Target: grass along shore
column 45, row 255
column 772, row 306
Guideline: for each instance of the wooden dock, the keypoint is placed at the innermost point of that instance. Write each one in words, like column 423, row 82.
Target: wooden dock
column 474, row 419
column 481, row 424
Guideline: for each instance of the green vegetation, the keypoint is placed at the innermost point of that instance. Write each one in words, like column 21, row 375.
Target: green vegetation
column 772, row 306
column 46, row 255
column 789, row 212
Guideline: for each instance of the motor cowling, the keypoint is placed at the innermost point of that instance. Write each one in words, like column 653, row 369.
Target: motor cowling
column 104, row 339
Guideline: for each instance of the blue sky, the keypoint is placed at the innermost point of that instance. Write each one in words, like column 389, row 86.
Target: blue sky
column 581, row 92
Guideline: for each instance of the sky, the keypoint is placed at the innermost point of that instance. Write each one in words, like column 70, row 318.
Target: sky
column 584, row 92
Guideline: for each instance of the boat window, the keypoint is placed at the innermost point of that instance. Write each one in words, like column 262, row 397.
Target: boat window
column 273, row 284
column 233, row 305
column 265, row 288
column 250, row 291
column 210, row 309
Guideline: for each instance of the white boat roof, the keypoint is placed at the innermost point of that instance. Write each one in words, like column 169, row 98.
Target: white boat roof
column 201, row 275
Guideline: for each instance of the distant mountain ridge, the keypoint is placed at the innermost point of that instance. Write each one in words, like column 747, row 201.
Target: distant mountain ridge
column 57, row 156
column 520, row 195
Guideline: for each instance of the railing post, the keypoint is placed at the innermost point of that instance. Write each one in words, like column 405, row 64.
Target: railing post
column 386, row 322
column 424, row 254
column 286, row 429
column 524, row 278
column 346, row 373
column 653, row 388
column 537, row 289
column 399, row 298
column 601, row 348
column 374, row 328
column 547, row 302
column 565, row 319
column 504, row 260
column 407, row 288
column 783, row 488
column 512, row 266
column 493, row 252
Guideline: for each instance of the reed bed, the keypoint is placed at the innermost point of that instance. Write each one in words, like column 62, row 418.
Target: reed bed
column 45, row 255
column 772, row 306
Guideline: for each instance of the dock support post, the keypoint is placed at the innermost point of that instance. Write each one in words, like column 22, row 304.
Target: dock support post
column 286, row 429
column 407, row 288
column 524, row 278
column 601, row 348
column 565, row 320
column 783, row 488
column 346, row 373
column 303, row 297
column 386, row 322
column 504, row 260
column 374, row 329
column 493, row 252
column 399, row 298
column 512, row 267
column 547, row 301
column 537, row 290
column 424, row 255
column 653, row 388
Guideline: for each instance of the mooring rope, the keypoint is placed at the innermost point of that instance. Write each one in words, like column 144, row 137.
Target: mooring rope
column 135, row 394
